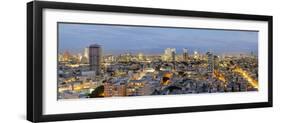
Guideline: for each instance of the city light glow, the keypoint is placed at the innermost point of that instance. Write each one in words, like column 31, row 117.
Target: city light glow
column 246, row 75
column 219, row 76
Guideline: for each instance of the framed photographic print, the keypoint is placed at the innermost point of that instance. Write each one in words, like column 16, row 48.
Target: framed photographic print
column 89, row 61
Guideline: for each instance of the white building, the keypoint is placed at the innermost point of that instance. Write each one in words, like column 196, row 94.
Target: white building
column 169, row 54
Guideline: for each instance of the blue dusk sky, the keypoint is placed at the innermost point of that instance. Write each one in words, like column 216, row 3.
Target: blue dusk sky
column 154, row 40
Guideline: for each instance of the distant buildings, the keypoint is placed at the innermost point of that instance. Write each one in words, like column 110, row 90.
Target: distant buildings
column 169, row 54
column 86, row 52
column 128, row 57
column 210, row 56
column 90, row 74
column 65, row 57
column 95, row 58
column 174, row 55
column 216, row 62
column 213, row 62
column 185, row 54
column 195, row 55
column 140, row 57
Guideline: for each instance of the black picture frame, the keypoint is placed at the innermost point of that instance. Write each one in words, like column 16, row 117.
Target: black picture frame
column 35, row 69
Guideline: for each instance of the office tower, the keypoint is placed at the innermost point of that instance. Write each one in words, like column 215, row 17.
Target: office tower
column 169, row 54
column 185, row 54
column 216, row 62
column 86, row 52
column 174, row 55
column 210, row 62
column 95, row 58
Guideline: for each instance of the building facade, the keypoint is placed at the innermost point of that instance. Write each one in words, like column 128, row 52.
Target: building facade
column 185, row 54
column 95, row 58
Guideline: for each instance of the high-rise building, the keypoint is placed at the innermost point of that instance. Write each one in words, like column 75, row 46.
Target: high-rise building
column 85, row 56
column 169, row 54
column 185, row 54
column 95, row 57
column 195, row 55
column 174, row 55
column 216, row 62
column 210, row 62
column 86, row 52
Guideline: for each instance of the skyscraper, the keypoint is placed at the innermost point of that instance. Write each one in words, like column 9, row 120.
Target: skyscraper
column 216, row 62
column 169, row 54
column 173, row 55
column 185, row 54
column 95, row 58
column 86, row 52
column 210, row 62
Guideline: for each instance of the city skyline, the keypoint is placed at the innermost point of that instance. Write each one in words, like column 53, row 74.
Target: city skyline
column 97, row 61
column 115, row 40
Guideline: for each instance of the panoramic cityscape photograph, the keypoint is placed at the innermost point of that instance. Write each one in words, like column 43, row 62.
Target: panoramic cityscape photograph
column 106, row 60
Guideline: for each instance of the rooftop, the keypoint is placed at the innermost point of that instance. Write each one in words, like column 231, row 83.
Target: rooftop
column 95, row 46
